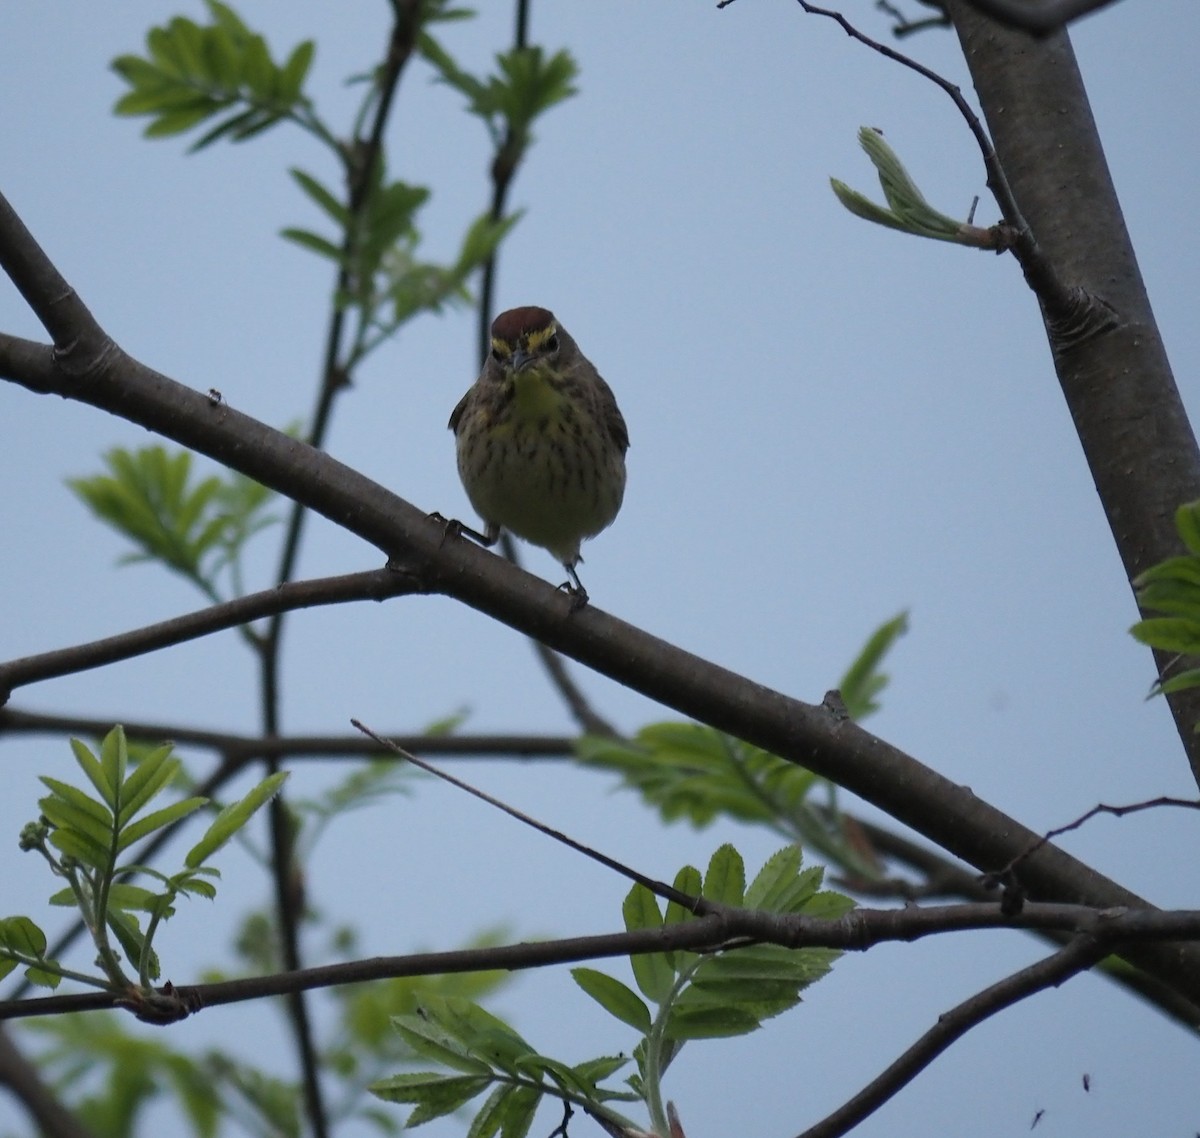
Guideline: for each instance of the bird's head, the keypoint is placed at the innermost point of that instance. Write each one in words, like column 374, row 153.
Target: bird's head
column 525, row 338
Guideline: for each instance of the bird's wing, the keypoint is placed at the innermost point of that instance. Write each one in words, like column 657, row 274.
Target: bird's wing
column 457, row 414
column 614, row 421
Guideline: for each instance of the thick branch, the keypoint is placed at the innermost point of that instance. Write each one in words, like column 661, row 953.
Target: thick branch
column 1118, row 384
column 721, row 928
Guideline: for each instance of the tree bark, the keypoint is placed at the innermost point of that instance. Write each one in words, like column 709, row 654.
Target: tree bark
column 1117, row 381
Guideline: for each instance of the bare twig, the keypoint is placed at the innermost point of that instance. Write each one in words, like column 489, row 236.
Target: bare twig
column 375, row 585
column 1078, row 956
column 1007, row 873
column 362, row 157
column 658, row 888
column 505, row 163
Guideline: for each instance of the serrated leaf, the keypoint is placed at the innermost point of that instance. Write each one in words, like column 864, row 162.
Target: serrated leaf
column 725, row 881
column 433, row 1093
column 83, row 849
column 614, row 997
column 516, row 1111
column 487, row 1121
column 122, row 895
column 863, row 680
column 153, row 773
column 22, row 935
column 772, row 881
column 688, row 881
column 653, row 971
column 159, row 819
column 91, row 767
column 233, row 818
column 1170, row 633
column 95, row 814
column 709, row 1023
column 42, row 978
column 427, row 1037
column 595, row 1071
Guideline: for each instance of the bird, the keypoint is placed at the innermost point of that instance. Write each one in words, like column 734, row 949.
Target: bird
column 540, row 441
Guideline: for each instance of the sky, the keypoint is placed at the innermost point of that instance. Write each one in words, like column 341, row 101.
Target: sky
column 830, row 423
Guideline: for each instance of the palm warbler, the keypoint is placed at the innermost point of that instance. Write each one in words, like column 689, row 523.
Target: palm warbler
column 541, row 443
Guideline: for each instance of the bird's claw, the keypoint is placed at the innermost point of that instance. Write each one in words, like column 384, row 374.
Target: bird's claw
column 578, row 595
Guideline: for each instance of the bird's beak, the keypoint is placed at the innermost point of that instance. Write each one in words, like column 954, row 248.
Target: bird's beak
column 520, row 360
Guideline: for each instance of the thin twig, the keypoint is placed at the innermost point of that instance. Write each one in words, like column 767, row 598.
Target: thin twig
column 1006, row 874
column 505, row 163
column 362, row 159
column 244, row 748
column 1067, row 306
column 1078, row 956
column 667, row 892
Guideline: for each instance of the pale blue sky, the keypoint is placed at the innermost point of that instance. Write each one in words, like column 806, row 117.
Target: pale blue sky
column 830, row 422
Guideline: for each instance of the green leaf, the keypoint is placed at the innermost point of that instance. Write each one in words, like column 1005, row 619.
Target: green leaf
column 1179, row 682
column 337, row 210
column 90, row 766
column 864, row 680
column 160, row 819
column 1187, row 524
column 96, row 815
column 725, row 881
column 772, row 882
column 122, row 895
column 653, row 971
column 22, row 935
column 233, row 818
column 709, row 1023
column 314, row 242
column 434, row 1094
column 1169, row 633
column 516, row 1111
column 295, row 71
column 83, row 849
column 43, row 978
column 614, row 997
column 490, row 1116
column 595, row 1071
column 153, row 773
column 483, row 1034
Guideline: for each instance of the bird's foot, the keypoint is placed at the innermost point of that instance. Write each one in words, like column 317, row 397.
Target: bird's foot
column 577, row 593
column 452, row 527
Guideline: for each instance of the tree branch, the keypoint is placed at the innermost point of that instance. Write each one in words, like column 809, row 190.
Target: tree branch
column 812, row 736
column 721, row 928
column 375, row 585
column 1078, row 956
column 42, row 1105
column 1118, row 384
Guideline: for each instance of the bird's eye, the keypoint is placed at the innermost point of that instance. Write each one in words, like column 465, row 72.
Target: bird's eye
column 497, row 355
column 552, row 344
